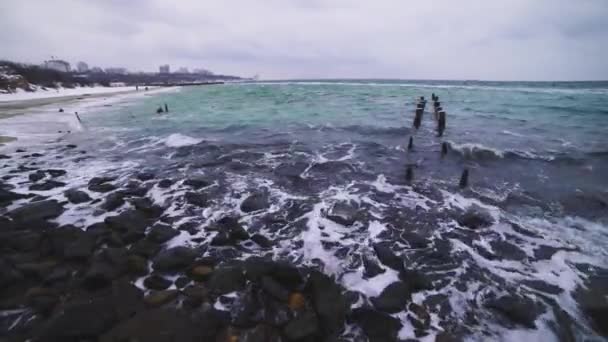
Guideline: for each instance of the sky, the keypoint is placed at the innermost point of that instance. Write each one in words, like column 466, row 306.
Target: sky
column 295, row 39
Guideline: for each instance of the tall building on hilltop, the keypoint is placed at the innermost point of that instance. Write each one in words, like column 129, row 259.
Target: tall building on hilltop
column 164, row 69
column 82, row 67
column 182, row 70
column 57, row 64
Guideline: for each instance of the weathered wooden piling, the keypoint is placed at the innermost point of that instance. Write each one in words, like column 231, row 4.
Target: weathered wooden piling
column 464, row 179
column 410, row 145
column 409, row 174
column 418, row 117
column 444, row 148
column 441, row 123
column 166, row 108
column 77, row 117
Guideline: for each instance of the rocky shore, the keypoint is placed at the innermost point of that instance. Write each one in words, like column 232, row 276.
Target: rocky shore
column 120, row 279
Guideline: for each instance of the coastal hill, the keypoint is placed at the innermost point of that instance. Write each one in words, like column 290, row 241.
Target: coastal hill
column 30, row 77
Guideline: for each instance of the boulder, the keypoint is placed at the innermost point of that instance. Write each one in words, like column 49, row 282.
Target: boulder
column 6, row 196
column 101, row 187
column 274, row 289
column 261, row 240
column 378, row 326
column 303, row 326
column 56, row 172
column 195, row 198
column 162, row 233
column 165, row 183
column 291, row 170
column 128, row 220
column 519, row 309
column 82, row 248
column 79, row 320
column 36, row 175
column 37, row 211
column 225, row 280
column 147, row 207
column 146, row 248
column 344, row 213
column 329, row 303
column 127, row 299
column 48, row 185
column 200, row 272
column 174, row 259
column 159, row 298
column 76, row 196
column 476, row 217
column 255, row 202
column 100, row 275
column 156, row 282
column 393, row 298
column 144, row 176
column 113, row 201
column 372, row 268
column 196, row 183
column 387, row 257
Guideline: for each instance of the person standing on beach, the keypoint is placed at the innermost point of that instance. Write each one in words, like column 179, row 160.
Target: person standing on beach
column 166, row 108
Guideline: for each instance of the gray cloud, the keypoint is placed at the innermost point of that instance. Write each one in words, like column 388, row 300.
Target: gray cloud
column 434, row 39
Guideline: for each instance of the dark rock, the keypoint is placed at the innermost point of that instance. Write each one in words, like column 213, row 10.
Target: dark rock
column 174, row 259
column 302, row 326
column 291, row 170
column 274, row 289
column 36, row 211
column 22, row 241
column 81, row 248
column 195, row 198
column 103, row 187
column 79, row 320
column 261, row 333
column 378, row 326
column 56, row 172
column 476, row 217
column 196, row 183
column 593, row 301
column 165, row 183
column 419, row 317
column 393, row 298
column 36, row 176
column 115, row 255
column 156, row 282
column 181, row 282
column 162, row 233
column 231, row 232
column 127, row 299
column 134, row 190
column 169, row 325
column 544, row 252
column 128, row 220
column 48, row 185
column 518, row 309
column 416, row 281
column 506, row 250
column 200, row 272
column 543, row 286
column 254, row 203
column 288, row 275
column 372, row 269
column 387, row 257
column 42, row 300
column 344, row 213
column 113, row 201
column 261, row 240
column 100, row 180
column 159, row 298
column 145, row 176
column 146, row 206
column 76, row 196
column 38, row 270
column 7, row 197
column 257, row 267
column 225, row 280
column 100, row 275
column 414, row 240
column 137, row 265
column 328, row 301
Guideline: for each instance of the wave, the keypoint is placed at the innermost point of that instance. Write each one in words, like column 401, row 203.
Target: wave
column 179, row 140
column 476, row 151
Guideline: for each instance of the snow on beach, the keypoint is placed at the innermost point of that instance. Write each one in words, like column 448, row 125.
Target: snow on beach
column 41, row 93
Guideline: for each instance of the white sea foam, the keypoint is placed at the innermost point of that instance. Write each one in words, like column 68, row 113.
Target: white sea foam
column 179, row 140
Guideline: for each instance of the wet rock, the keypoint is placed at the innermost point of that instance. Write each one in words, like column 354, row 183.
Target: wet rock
column 518, row 309
column 156, row 282
column 170, row 325
column 137, row 265
column 159, row 298
column 225, row 280
column 195, row 198
column 506, row 250
column 127, row 299
column 593, row 301
column 393, row 298
column 144, row 176
column 37, row 211
column 296, row 301
column 419, row 318
column 544, row 252
column 414, row 240
column 302, row 326
column 56, row 172
column 543, row 286
column 128, row 220
column 274, row 289
column 200, row 272
column 254, row 203
column 79, row 320
column 196, row 183
column 113, row 201
column 133, row 189
column 181, row 282
column 344, row 213
column 147, row 207
column 165, row 183
column 174, row 259
column 387, row 257
column 196, row 293
column 260, row 333
column 230, row 232
column 372, row 269
column 100, row 184
column 100, row 275
column 76, row 196
column 378, row 326
column 48, row 185
column 416, row 280
column 162, row 233
column 41, row 299
column 146, row 248
column 115, row 255
column 82, row 248
column 22, row 241
column 329, row 303
column 291, row 170
column 261, row 240
column 476, row 217
column 36, row 176
column 38, row 270
column 6, row 196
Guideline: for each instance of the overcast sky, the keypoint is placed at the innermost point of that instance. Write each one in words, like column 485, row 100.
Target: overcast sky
column 423, row 39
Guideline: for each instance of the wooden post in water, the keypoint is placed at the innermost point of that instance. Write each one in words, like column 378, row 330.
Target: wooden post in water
column 444, row 148
column 77, row 117
column 409, row 174
column 410, row 145
column 464, row 179
column 441, row 123
column 418, row 117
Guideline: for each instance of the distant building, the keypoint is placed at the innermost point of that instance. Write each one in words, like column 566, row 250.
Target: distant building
column 57, row 64
column 182, row 70
column 82, row 67
column 202, row 71
column 164, row 69
column 120, row 71
column 96, row 70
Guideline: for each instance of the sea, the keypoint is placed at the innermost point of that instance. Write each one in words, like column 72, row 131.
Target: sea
column 536, row 155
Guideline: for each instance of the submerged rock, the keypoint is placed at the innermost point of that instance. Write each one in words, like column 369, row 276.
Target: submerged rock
column 476, row 217
column 378, row 326
column 174, row 259
column 393, row 298
column 76, row 196
column 162, row 233
column 387, row 257
column 518, row 309
column 254, row 203
column 48, row 185
column 36, row 211
column 113, row 201
column 302, row 326
column 329, row 302
column 344, row 213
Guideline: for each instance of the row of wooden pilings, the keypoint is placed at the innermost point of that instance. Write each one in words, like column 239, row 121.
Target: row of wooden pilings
column 439, row 116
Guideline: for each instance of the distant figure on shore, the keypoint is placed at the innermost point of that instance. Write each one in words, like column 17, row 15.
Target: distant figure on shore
column 136, row 88
column 160, row 110
column 60, row 110
column 166, row 108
